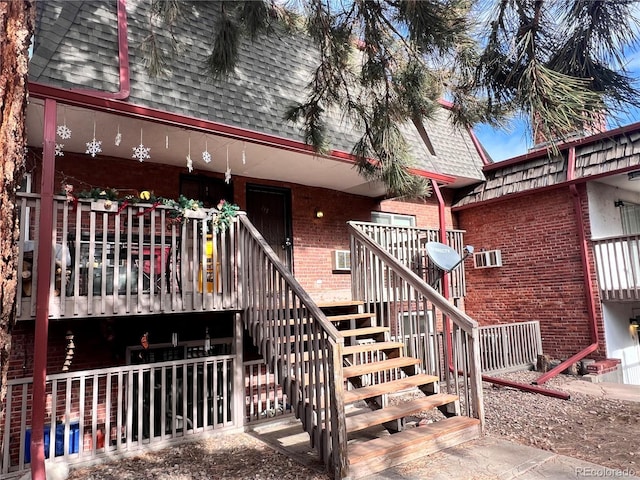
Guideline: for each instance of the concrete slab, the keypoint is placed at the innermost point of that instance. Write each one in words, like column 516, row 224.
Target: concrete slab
column 617, row 391
column 495, row 458
column 487, row 458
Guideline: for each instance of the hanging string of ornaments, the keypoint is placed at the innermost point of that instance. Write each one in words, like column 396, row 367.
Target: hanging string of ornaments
column 140, row 152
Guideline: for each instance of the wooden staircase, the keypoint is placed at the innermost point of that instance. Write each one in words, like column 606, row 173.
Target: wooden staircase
column 339, row 368
column 380, row 433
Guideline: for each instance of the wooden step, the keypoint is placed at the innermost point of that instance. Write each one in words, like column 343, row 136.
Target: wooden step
column 405, row 409
column 350, row 316
column 367, row 458
column 340, row 303
column 357, row 332
column 371, row 347
column 372, row 367
column 331, row 318
column 357, row 394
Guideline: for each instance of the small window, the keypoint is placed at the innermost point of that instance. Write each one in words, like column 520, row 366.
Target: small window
column 341, row 261
column 396, row 219
column 630, row 214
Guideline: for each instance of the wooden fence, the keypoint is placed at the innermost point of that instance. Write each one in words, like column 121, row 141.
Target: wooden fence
column 510, row 347
column 94, row 414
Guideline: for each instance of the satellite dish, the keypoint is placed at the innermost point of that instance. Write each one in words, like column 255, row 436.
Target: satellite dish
column 443, row 256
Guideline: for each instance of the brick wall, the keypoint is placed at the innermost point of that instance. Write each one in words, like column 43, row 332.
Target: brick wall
column 541, row 277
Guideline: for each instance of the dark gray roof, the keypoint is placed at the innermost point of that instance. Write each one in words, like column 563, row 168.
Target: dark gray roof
column 595, row 156
column 76, row 47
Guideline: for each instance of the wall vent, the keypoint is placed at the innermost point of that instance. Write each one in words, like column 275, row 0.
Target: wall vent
column 487, row 259
column 342, row 260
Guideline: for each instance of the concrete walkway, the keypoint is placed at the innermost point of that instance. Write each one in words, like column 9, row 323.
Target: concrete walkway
column 494, row 458
column 615, row 391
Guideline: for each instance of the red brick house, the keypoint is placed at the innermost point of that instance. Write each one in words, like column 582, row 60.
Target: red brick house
column 158, row 330
column 566, row 230
column 152, row 329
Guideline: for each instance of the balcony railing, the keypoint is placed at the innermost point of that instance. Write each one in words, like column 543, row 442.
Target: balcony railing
column 618, row 266
column 135, row 259
column 407, row 244
column 93, row 415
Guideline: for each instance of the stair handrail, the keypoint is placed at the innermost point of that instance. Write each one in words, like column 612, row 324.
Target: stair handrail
column 465, row 322
column 337, row 458
column 313, row 308
column 460, row 319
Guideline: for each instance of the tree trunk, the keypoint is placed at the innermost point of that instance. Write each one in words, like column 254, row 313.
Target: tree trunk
column 16, row 29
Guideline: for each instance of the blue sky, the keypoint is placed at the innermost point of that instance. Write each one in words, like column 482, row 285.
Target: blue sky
column 516, row 139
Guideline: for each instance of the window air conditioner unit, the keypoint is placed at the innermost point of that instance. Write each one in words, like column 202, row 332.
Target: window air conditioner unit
column 342, row 260
column 487, row 259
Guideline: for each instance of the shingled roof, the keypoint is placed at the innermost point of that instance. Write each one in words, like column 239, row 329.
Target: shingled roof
column 76, row 47
column 596, row 156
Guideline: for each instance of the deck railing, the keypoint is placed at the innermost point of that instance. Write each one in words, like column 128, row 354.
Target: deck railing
column 302, row 347
column 95, row 414
column 618, row 266
column 413, row 310
column 127, row 260
column 265, row 398
column 407, row 244
column 510, row 347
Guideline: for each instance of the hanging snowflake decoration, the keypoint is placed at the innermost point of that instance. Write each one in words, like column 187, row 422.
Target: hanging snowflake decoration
column 206, row 157
column 94, row 147
column 118, row 137
column 189, row 161
column 227, row 173
column 58, row 151
column 63, row 132
column 141, row 152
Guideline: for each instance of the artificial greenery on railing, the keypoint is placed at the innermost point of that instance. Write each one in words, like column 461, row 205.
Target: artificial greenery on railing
column 180, row 210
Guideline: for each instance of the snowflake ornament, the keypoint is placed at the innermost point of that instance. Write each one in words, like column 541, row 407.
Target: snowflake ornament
column 206, row 157
column 63, row 132
column 58, row 151
column 141, row 153
column 94, row 147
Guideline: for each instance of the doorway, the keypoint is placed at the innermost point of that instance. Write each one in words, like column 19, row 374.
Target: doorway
column 269, row 209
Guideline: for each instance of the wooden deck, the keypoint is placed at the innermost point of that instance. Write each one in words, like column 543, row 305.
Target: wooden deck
column 130, row 260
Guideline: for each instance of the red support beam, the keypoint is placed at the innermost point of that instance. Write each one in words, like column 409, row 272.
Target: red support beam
column 43, row 288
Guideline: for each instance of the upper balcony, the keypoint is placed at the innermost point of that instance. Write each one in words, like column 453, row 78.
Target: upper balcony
column 126, row 259
column 618, row 266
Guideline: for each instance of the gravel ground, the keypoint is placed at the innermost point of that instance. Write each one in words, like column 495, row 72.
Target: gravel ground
column 598, row 430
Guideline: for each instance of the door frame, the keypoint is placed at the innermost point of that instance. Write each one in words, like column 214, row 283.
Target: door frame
column 288, row 219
